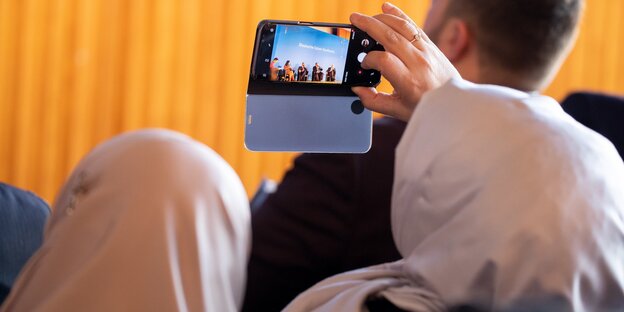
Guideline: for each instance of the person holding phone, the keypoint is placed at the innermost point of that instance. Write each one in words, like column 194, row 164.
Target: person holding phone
column 327, row 214
column 501, row 202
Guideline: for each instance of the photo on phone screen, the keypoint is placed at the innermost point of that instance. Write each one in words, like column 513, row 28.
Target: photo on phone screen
column 309, row 54
column 297, row 54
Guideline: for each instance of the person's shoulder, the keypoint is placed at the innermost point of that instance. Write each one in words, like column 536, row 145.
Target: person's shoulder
column 466, row 102
column 461, row 89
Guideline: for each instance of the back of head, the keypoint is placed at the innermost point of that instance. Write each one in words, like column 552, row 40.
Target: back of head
column 148, row 221
column 520, row 37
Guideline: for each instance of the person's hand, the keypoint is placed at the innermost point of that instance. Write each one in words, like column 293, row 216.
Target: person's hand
column 411, row 62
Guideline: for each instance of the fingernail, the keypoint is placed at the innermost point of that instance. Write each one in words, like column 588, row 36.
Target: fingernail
column 355, row 17
column 388, row 4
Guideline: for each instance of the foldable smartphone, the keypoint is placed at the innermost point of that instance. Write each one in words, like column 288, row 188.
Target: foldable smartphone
column 299, row 94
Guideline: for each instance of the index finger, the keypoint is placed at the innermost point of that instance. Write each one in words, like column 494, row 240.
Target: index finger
column 392, row 9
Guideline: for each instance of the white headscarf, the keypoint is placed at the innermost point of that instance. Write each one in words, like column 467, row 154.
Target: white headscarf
column 500, row 200
column 149, row 221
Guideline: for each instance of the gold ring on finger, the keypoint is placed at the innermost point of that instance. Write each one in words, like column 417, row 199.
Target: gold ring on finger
column 417, row 36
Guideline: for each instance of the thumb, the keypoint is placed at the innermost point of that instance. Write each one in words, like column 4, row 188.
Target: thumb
column 384, row 103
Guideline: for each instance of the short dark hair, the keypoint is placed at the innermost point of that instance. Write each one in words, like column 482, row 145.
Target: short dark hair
column 523, row 36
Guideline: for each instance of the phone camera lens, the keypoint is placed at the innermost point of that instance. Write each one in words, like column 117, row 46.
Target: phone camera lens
column 357, row 107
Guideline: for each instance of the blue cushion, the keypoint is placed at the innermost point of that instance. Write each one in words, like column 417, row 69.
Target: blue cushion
column 22, row 220
column 599, row 112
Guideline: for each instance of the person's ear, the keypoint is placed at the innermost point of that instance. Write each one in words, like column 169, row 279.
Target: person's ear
column 455, row 39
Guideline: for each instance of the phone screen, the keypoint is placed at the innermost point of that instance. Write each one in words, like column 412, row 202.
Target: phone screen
column 309, row 54
column 297, row 55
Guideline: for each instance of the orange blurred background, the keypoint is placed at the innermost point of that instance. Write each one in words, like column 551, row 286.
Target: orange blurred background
column 76, row 72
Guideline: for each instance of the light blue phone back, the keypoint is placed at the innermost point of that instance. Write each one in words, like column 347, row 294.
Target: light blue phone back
column 315, row 124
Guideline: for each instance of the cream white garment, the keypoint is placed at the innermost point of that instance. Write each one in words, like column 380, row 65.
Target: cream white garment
column 500, row 200
column 149, row 221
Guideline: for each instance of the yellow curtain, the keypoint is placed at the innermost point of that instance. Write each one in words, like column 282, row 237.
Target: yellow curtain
column 76, row 72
